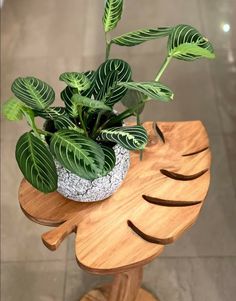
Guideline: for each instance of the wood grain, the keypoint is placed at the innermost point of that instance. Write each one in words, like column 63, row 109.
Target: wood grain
column 105, row 243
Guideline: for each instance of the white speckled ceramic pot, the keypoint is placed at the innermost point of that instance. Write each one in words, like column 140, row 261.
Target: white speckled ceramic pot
column 82, row 190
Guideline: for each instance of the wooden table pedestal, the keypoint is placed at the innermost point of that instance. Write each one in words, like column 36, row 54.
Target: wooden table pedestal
column 125, row 287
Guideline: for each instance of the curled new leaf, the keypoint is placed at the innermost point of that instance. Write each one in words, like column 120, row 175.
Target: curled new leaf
column 36, row 163
column 154, row 90
column 76, row 80
column 33, row 92
column 186, row 43
column 140, row 36
column 130, row 137
column 112, row 14
column 79, row 154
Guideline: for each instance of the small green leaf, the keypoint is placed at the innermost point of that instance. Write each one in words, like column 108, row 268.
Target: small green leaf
column 130, row 137
column 13, row 109
column 51, row 113
column 154, row 90
column 140, row 36
column 33, row 92
column 112, row 14
column 124, row 75
column 186, row 43
column 109, row 158
column 36, row 163
column 64, row 122
column 79, row 101
column 79, row 154
column 76, row 80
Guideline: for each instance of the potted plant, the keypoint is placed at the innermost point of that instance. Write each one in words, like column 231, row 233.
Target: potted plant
column 83, row 148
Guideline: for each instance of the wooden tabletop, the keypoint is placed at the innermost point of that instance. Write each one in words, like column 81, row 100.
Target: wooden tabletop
column 160, row 198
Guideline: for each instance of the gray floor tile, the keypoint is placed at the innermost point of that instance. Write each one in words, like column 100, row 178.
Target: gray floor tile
column 223, row 72
column 215, row 14
column 41, row 281
column 198, row 279
column 230, row 140
column 79, row 282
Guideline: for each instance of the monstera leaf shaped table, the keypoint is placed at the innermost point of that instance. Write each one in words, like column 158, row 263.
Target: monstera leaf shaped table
column 159, row 200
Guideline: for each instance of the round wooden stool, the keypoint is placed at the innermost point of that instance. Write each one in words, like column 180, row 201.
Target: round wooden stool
column 159, row 200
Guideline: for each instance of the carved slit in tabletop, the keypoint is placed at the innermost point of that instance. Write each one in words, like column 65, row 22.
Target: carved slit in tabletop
column 149, row 238
column 196, row 152
column 169, row 203
column 177, row 176
column 158, row 131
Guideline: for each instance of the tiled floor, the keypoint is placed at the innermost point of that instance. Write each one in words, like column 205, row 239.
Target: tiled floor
column 45, row 38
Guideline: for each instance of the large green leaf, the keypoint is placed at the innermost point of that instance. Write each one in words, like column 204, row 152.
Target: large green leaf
column 124, row 75
column 91, row 76
column 76, row 80
column 79, row 101
column 109, row 158
column 154, row 90
column 51, row 113
column 36, row 163
column 13, row 109
column 108, row 87
column 79, row 154
column 112, row 14
column 140, row 36
column 33, row 92
column 186, row 43
column 130, row 137
column 64, row 122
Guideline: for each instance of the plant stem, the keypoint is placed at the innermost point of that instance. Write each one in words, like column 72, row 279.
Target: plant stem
column 163, row 67
column 108, row 47
column 44, row 132
column 97, row 123
column 82, row 121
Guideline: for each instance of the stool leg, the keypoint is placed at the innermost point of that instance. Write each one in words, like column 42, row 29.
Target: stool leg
column 126, row 285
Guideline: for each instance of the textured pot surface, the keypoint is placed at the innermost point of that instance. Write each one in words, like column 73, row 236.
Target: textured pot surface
column 79, row 189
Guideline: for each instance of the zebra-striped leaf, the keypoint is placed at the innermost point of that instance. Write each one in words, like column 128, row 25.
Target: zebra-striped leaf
column 66, row 96
column 79, row 154
column 51, row 113
column 82, row 101
column 154, row 90
column 109, row 85
column 186, row 43
column 13, row 109
column 109, row 158
column 36, row 163
column 123, row 74
column 76, row 80
column 33, row 92
column 91, row 76
column 140, row 36
column 130, row 137
column 112, row 14
column 64, row 122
